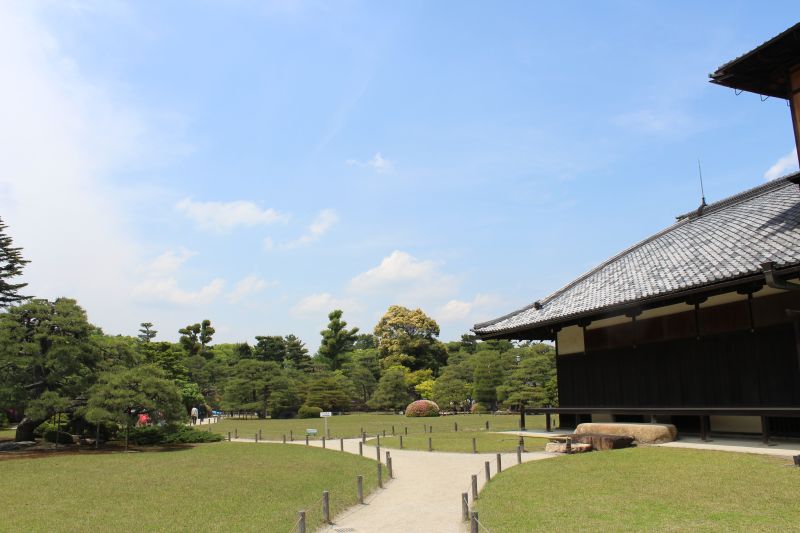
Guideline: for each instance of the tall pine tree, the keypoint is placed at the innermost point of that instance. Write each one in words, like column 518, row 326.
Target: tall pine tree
column 337, row 340
column 11, row 264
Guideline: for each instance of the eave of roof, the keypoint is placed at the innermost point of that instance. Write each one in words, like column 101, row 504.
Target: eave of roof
column 763, row 70
column 525, row 319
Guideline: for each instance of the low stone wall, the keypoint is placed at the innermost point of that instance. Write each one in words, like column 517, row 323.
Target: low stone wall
column 644, row 433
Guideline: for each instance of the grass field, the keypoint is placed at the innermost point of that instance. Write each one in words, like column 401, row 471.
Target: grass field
column 211, row 487
column 644, row 489
column 462, row 442
column 7, row 434
column 350, row 425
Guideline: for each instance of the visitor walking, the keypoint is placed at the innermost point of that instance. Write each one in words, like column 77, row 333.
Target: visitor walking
column 195, row 413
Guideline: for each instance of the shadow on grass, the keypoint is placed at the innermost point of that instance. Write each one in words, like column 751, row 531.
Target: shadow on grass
column 43, row 450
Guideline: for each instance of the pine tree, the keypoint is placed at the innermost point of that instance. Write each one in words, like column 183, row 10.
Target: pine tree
column 11, row 264
column 146, row 334
column 336, row 340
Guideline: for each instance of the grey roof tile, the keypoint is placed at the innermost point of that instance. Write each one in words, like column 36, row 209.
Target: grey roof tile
column 730, row 239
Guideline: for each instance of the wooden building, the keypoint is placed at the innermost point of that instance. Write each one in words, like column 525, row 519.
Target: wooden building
column 698, row 325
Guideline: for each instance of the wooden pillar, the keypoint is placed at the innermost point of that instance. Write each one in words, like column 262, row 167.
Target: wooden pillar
column 794, row 104
column 765, row 430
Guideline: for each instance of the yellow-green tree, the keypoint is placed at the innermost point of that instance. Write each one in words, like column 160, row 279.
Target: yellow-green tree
column 408, row 337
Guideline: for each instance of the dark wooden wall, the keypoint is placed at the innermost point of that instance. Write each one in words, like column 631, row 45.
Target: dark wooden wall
column 735, row 369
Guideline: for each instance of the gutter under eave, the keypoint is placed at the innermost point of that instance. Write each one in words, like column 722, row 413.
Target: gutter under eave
column 618, row 309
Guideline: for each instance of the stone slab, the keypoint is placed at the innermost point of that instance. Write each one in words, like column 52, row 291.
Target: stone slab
column 644, row 433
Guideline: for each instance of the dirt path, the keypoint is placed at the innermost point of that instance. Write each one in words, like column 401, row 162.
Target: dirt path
column 425, row 494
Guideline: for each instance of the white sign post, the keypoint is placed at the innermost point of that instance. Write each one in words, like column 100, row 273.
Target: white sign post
column 326, row 415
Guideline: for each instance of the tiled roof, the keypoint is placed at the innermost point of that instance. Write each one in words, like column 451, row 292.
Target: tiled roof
column 727, row 240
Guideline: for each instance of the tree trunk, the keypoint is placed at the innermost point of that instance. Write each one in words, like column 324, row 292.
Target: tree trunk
column 26, row 427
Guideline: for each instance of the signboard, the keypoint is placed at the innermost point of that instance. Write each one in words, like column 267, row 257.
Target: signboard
column 325, row 414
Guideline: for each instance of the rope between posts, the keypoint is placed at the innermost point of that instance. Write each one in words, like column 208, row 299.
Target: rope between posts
column 482, row 526
column 294, row 527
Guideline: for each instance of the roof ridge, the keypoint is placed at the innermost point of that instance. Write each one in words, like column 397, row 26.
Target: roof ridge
column 681, row 220
column 741, row 196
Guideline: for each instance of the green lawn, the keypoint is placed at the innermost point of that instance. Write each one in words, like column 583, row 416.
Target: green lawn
column 7, row 434
column 211, row 487
column 644, row 489
column 350, row 425
column 462, row 442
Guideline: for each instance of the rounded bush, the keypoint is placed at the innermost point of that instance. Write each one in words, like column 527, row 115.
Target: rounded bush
column 422, row 408
column 478, row 409
column 53, row 435
column 309, row 411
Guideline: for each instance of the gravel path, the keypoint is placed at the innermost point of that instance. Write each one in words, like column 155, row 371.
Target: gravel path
column 425, row 494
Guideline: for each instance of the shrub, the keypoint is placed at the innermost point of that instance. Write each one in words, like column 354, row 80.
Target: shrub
column 422, row 408
column 171, row 435
column 146, row 435
column 309, row 411
column 478, row 409
column 52, row 435
column 189, row 435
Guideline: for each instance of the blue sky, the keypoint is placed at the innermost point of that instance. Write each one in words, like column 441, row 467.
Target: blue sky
column 262, row 163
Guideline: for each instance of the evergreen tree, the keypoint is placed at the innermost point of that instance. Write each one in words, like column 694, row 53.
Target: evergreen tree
column 196, row 337
column 146, row 333
column 270, row 348
column 337, row 340
column 392, row 392
column 297, row 353
column 11, row 264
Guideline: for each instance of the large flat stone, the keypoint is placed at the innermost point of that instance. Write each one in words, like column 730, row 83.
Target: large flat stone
column 644, row 433
column 602, row 441
column 561, row 447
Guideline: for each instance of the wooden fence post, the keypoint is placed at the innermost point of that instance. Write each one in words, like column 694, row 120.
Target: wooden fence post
column 235, row 433
column 488, row 474
column 519, row 455
column 474, row 487
column 360, row 489
column 499, row 466
column 378, row 453
column 406, row 430
column 430, row 444
column 291, row 436
column 361, row 449
column 401, row 442
column 341, row 445
column 456, row 427
column 487, row 424
column 301, row 524
column 260, row 436
column 474, row 446
column 464, row 506
column 378, row 436
column 392, row 431
column 323, row 441
column 326, row 507
column 306, row 440
column 389, row 467
column 229, row 436
column 380, row 475
column 473, row 526
column 255, row 437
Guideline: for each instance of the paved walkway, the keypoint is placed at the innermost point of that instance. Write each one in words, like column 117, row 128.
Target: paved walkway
column 424, row 495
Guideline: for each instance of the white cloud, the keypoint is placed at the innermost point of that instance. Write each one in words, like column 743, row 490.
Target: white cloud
column 169, row 262
column 61, row 137
column 160, row 283
column 247, row 286
column 224, row 216
column 377, row 163
column 782, row 166
column 167, row 290
column 322, row 304
column 459, row 310
column 396, row 268
column 323, row 222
